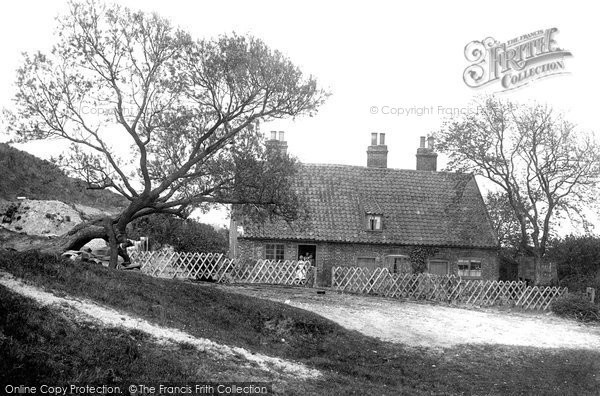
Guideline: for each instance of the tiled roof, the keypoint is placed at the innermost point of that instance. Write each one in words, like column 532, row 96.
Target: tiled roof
column 418, row 208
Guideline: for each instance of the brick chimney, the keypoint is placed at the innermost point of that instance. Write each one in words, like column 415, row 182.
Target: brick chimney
column 377, row 153
column 426, row 156
column 277, row 142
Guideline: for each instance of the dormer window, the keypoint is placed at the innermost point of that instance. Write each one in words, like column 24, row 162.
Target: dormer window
column 374, row 222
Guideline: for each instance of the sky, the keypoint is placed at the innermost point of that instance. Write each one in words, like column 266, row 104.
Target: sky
column 379, row 60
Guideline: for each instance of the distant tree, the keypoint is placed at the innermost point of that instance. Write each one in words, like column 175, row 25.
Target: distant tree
column 185, row 235
column 504, row 221
column 577, row 259
column 187, row 110
column 543, row 166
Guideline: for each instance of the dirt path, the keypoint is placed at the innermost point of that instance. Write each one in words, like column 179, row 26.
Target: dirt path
column 89, row 311
column 429, row 325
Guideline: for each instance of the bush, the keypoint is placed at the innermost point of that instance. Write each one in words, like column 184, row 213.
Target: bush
column 576, row 306
column 579, row 284
column 184, row 235
column 577, row 259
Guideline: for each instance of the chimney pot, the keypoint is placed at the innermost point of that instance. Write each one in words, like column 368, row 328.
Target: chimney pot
column 273, row 135
column 430, row 141
column 374, row 139
column 382, row 139
column 422, row 141
column 281, row 136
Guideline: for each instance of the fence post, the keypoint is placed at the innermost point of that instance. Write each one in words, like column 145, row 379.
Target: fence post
column 315, row 276
column 332, row 276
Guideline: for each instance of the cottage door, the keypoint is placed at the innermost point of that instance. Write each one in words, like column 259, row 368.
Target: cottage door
column 308, row 252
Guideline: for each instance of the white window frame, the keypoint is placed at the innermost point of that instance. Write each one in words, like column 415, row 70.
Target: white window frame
column 374, row 222
column 470, row 272
column 275, row 254
column 392, row 257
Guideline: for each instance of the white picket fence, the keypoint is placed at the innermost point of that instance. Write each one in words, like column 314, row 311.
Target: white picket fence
column 449, row 288
column 218, row 268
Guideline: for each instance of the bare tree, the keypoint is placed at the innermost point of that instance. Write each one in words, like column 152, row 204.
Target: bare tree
column 543, row 166
column 186, row 110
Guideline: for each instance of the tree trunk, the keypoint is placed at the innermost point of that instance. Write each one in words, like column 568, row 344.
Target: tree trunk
column 111, row 229
column 75, row 239
column 112, row 242
column 537, row 265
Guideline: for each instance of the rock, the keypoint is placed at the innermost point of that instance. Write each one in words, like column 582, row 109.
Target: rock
column 96, row 244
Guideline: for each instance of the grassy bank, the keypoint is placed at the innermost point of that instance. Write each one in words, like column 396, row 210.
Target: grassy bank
column 351, row 362
column 39, row 346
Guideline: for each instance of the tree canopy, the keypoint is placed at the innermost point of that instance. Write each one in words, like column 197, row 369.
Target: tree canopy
column 504, row 221
column 577, row 259
column 544, row 168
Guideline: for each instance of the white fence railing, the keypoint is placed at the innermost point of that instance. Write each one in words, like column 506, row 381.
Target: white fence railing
column 449, row 288
column 218, row 268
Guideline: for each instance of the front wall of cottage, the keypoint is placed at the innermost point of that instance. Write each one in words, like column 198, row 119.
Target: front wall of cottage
column 329, row 255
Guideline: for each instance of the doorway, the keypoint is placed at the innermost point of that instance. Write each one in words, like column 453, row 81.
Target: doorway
column 309, row 251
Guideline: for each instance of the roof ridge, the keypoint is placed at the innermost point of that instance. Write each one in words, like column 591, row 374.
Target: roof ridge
column 320, row 164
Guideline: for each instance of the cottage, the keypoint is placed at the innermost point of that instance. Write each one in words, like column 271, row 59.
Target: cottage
column 375, row 216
